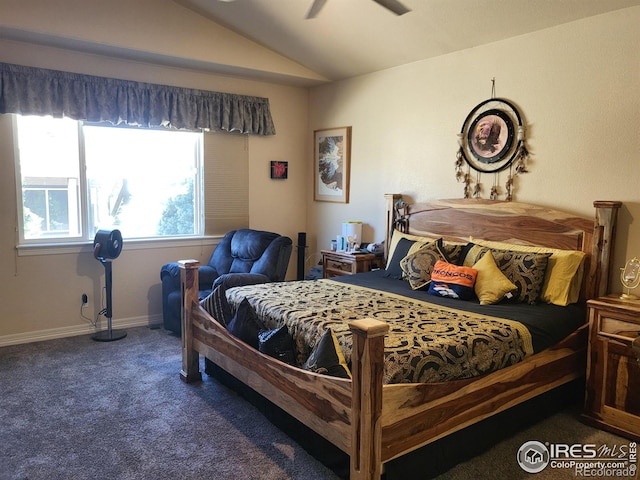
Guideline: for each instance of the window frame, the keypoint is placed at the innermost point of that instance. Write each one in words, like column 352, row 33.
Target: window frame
column 84, row 242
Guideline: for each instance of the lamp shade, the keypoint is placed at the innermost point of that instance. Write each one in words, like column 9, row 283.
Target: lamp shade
column 107, row 244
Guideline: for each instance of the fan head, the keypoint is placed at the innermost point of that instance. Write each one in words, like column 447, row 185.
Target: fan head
column 107, row 244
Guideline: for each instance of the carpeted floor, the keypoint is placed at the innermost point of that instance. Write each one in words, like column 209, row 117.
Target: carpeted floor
column 78, row 409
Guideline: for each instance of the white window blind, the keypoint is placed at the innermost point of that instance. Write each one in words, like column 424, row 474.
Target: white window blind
column 226, row 182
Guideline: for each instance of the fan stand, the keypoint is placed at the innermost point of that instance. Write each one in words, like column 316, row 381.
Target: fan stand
column 108, row 335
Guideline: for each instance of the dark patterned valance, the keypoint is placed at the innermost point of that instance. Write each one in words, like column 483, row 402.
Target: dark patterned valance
column 37, row 91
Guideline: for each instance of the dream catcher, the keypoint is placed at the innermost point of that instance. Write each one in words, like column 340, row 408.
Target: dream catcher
column 491, row 140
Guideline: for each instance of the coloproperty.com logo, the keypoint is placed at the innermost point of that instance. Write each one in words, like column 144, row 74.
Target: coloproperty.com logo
column 585, row 460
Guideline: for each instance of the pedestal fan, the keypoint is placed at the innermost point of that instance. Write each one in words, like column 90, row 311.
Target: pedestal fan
column 107, row 245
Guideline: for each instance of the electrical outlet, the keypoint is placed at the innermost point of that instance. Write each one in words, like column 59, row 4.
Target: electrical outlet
column 85, row 299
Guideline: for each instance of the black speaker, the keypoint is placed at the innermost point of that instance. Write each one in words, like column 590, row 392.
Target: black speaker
column 302, row 249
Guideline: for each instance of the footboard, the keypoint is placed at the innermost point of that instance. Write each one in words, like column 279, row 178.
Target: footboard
column 345, row 412
column 372, row 423
column 417, row 414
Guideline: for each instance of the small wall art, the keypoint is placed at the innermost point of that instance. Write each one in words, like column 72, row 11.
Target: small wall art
column 279, row 170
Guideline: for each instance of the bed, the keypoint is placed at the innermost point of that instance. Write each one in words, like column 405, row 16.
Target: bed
column 371, row 416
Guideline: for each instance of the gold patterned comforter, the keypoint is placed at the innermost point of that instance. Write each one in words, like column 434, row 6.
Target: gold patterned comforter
column 425, row 343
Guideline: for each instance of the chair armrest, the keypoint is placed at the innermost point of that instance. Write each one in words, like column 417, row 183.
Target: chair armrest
column 170, row 276
column 229, row 280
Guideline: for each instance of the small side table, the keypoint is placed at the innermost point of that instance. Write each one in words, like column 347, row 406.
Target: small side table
column 341, row 263
column 613, row 373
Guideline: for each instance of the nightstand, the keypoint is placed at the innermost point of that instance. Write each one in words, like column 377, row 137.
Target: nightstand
column 613, row 374
column 341, row 263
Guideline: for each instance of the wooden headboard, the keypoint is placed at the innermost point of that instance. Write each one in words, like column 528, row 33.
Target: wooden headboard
column 513, row 222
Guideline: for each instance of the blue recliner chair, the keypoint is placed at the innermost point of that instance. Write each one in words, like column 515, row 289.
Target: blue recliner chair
column 243, row 257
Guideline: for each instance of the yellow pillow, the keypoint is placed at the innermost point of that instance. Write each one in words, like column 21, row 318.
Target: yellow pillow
column 397, row 235
column 565, row 269
column 491, row 285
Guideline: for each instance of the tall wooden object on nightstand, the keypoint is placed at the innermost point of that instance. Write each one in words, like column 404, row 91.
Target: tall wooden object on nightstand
column 341, row 263
column 613, row 374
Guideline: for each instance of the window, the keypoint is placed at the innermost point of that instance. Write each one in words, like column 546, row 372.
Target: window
column 76, row 178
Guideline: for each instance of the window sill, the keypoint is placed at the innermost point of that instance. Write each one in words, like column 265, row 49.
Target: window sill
column 87, row 247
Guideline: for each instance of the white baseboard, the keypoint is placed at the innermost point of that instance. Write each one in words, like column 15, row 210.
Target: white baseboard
column 153, row 321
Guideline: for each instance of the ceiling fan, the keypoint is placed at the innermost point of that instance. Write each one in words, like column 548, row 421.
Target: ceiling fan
column 393, row 5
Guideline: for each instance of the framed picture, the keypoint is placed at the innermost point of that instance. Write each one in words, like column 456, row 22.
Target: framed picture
column 279, row 170
column 332, row 158
column 489, row 139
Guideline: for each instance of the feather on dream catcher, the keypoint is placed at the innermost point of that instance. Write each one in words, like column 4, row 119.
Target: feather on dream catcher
column 491, row 140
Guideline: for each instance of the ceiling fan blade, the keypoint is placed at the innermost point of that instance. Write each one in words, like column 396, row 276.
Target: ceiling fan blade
column 316, row 6
column 394, row 5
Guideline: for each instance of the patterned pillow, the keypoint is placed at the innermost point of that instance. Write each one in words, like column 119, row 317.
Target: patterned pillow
column 216, row 304
column 526, row 270
column 327, row 357
column 397, row 235
column 417, row 267
column 453, row 281
column 452, row 250
column 565, row 271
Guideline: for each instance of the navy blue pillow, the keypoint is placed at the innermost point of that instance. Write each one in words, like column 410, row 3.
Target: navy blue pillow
column 453, row 281
column 278, row 344
column 402, row 249
column 245, row 324
column 327, row 358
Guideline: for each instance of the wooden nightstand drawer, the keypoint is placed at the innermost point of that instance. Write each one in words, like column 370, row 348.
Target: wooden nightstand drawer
column 613, row 374
column 338, row 265
column 616, row 328
column 341, row 263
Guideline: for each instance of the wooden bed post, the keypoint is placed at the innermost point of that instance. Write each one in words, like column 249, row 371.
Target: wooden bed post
column 367, row 368
column 190, row 372
column 604, row 237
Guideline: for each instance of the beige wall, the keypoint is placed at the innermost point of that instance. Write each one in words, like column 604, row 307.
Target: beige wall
column 40, row 295
column 577, row 85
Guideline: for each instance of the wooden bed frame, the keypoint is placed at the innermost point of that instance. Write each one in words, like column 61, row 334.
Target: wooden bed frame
column 375, row 423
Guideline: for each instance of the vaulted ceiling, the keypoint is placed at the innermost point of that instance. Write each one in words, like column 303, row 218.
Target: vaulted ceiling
column 353, row 37
column 274, row 40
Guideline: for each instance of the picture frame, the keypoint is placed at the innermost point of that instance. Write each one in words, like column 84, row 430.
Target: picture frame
column 490, row 135
column 279, row 170
column 332, row 164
